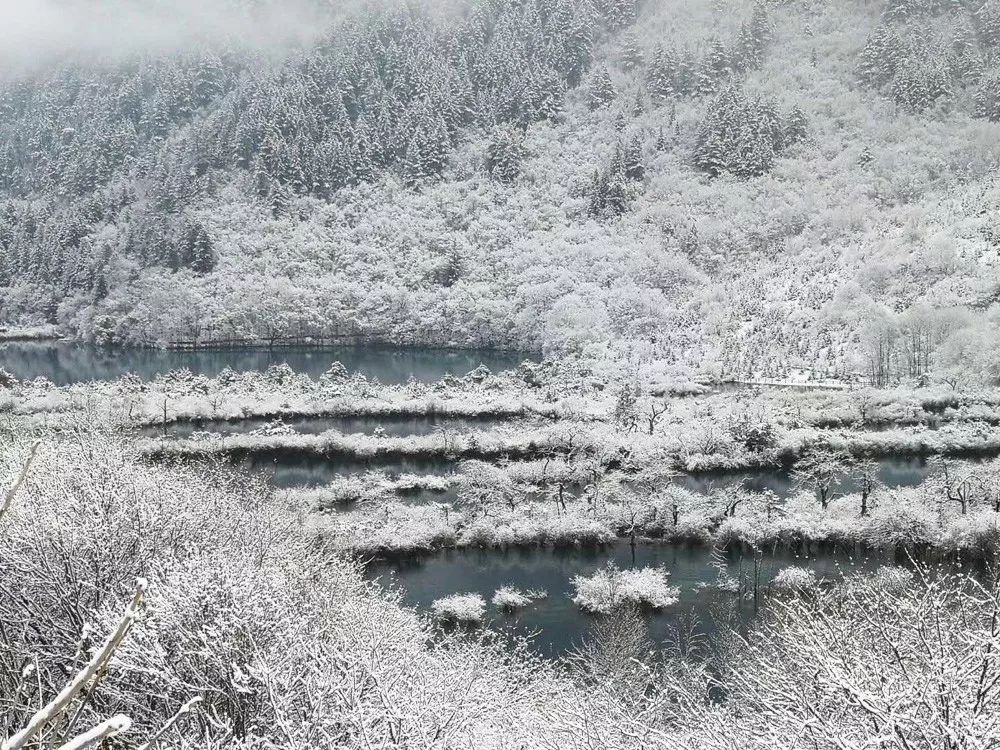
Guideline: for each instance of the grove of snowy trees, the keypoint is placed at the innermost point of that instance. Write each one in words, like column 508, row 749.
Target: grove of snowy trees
column 742, row 188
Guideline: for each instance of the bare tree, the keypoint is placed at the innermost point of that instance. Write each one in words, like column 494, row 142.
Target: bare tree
column 656, row 411
column 960, row 484
column 866, row 472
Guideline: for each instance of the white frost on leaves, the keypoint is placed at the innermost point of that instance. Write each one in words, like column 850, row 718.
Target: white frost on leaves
column 470, row 608
column 610, row 587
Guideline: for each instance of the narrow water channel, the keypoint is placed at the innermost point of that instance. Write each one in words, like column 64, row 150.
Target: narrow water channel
column 311, row 470
column 392, row 425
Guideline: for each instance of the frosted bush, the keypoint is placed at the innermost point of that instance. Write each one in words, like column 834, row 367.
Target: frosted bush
column 459, row 608
column 794, row 578
column 892, row 578
column 509, row 598
column 610, row 587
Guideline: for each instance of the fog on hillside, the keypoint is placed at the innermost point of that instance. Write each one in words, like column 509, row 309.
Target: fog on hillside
column 34, row 33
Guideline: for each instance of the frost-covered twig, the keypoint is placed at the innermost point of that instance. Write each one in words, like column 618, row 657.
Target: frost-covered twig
column 98, row 734
column 183, row 710
column 54, row 708
column 8, row 496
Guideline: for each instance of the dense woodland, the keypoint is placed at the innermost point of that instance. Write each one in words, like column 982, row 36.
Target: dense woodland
column 739, row 188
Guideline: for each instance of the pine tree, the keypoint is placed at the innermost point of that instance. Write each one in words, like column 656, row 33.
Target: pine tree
column 413, row 166
column 919, row 86
column 505, row 154
column 987, row 20
column 209, row 80
column 796, row 127
column 881, row 56
column 198, row 253
column 737, row 136
column 609, row 194
column 632, row 56
column 987, row 97
column 628, row 159
column 718, row 61
column 661, row 73
column 600, row 89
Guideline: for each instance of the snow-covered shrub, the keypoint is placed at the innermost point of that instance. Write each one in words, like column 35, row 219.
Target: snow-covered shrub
column 468, row 608
column 509, row 598
column 892, row 578
column 794, row 578
column 611, row 587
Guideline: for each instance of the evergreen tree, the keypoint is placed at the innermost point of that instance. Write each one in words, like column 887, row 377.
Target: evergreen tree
column 737, row 136
column 718, row 61
column 881, row 56
column 796, row 127
column 661, row 73
column 919, row 86
column 987, row 20
column 987, row 97
column 505, row 154
column 201, row 255
column 600, row 89
column 632, row 56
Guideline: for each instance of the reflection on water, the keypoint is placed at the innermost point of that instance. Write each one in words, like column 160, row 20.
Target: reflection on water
column 65, row 363
column 390, row 425
column 894, row 471
column 312, row 470
column 558, row 622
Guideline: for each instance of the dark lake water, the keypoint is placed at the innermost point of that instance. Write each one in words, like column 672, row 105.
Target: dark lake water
column 391, row 425
column 66, row 363
column 558, row 624
column 894, row 471
column 311, row 470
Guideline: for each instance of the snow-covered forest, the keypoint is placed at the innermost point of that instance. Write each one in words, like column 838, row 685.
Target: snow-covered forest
column 500, row 374
column 741, row 187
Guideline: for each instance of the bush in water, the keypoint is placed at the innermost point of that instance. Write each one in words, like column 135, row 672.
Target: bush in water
column 794, row 578
column 610, row 587
column 460, row 608
column 509, row 598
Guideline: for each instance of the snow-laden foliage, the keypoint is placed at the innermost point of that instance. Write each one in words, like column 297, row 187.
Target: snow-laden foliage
column 610, row 587
column 289, row 647
column 430, row 178
column 467, row 608
column 509, row 598
column 794, row 578
column 909, row 665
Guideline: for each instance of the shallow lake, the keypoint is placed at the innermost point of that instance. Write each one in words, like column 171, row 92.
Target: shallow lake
column 558, row 624
column 894, row 471
column 65, row 363
column 391, row 425
column 310, row 470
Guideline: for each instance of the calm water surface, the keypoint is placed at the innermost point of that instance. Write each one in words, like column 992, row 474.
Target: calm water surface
column 311, row 470
column 391, row 425
column 557, row 623
column 65, row 363
column 894, row 471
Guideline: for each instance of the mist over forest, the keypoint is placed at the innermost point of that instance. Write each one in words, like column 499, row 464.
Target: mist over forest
column 732, row 186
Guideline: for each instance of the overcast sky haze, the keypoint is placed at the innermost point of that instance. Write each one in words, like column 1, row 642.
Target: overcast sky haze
column 37, row 32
